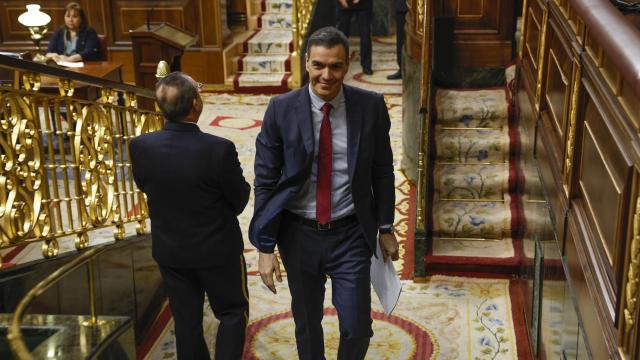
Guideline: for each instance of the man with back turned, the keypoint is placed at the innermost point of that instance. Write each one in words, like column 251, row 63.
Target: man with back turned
column 195, row 191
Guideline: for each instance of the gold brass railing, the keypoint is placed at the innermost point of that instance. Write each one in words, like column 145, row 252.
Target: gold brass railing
column 425, row 112
column 300, row 19
column 14, row 336
column 64, row 162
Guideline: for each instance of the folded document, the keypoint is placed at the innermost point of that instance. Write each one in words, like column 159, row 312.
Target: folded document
column 385, row 281
column 69, row 64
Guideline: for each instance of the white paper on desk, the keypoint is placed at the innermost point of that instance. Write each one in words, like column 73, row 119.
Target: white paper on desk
column 69, row 64
column 385, row 281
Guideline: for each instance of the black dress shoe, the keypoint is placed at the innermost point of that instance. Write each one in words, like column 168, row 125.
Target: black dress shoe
column 395, row 76
column 367, row 72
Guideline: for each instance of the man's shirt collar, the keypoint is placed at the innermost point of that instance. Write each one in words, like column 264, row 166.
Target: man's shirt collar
column 317, row 102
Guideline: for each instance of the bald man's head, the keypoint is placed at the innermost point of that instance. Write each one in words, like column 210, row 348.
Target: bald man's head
column 175, row 94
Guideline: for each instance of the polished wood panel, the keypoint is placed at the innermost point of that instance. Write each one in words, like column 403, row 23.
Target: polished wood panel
column 549, row 159
column 603, row 180
column 483, row 31
column 557, row 85
column 581, row 277
column 107, row 70
column 534, row 28
column 602, row 193
column 206, row 18
column 126, row 58
column 128, row 15
column 586, row 97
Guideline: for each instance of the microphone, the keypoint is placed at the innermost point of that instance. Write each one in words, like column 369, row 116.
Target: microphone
column 149, row 19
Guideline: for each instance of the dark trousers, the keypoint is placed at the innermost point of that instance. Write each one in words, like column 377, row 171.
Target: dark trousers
column 363, row 17
column 309, row 256
column 226, row 288
column 400, row 21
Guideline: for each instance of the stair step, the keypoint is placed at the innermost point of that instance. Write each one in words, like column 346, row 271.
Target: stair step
column 278, row 6
column 472, row 145
column 471, row 181
column 270, row 21
column 471, row 220
column 250, row 79
column 485, row 108
column 264, row 64
column 502, row 248
column 270, row 42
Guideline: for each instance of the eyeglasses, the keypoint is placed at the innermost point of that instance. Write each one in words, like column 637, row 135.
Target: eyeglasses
column 199, row 86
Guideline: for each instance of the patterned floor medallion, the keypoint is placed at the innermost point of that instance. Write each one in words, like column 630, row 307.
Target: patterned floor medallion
column 394, row 338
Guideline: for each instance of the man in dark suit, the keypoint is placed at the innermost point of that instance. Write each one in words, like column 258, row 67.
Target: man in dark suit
column 324, row 190
column 401, row 14
column 195, row 190
column 363, row 11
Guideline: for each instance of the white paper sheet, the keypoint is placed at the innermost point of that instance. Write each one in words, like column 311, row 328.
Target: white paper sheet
column 68, row 64
column 385, row 281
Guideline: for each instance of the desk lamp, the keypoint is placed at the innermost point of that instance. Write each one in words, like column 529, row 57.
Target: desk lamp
column 36, row 21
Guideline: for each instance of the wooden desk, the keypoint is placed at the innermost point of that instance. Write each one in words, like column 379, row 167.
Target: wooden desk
column 108, row 70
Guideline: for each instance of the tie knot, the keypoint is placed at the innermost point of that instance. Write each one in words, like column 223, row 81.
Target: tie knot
column 326, row 108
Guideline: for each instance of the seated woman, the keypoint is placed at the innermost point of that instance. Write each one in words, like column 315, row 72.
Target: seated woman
column 75, row 41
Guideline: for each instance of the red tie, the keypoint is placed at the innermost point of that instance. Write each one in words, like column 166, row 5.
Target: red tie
column 325, row 164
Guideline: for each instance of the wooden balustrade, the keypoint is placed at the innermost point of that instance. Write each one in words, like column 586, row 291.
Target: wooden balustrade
column 579, row 82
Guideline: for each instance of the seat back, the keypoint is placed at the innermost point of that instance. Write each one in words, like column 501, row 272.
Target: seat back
column 103, row 47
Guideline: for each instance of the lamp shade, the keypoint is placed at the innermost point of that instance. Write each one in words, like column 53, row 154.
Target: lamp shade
column 34, row 17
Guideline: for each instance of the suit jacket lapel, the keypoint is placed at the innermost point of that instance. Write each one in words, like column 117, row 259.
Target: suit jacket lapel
column 354, row 128
column 302, row 113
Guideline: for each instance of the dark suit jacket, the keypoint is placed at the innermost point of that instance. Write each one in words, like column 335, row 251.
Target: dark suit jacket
column 195, row 189
column 401, row 6
column 88, row 45
column 284, row 156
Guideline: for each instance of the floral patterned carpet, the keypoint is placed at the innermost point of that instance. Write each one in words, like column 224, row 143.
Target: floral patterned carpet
column 476, row 210
column 444, row 318
column 266, row 64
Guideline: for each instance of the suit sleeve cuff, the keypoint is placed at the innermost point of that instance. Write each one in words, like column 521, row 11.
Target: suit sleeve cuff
column 267, row 251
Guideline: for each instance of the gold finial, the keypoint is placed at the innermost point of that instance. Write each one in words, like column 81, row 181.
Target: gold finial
column 162, row 70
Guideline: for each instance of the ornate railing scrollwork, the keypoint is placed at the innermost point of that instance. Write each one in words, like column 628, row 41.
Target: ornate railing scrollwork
column 64, row 161
column 31, row 81
column 66, row 87
column 22, row 176
column 93, row 145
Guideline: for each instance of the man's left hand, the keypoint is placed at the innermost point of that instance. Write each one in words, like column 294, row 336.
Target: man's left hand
column 389, row 246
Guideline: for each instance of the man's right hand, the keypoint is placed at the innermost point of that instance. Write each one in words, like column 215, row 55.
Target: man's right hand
column 267, row 265
column 343, row 3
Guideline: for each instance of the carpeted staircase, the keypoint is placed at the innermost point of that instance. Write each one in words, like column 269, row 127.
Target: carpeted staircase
column 265, row 65
column 476, row 211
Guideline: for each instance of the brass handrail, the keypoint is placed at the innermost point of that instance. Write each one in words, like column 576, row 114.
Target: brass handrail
column 34, row 67
column 300, row 19
column 14, row 336
column 64, row 162
column 425, row 113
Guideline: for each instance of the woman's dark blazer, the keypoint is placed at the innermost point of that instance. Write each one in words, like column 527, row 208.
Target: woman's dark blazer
column 88, row 45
